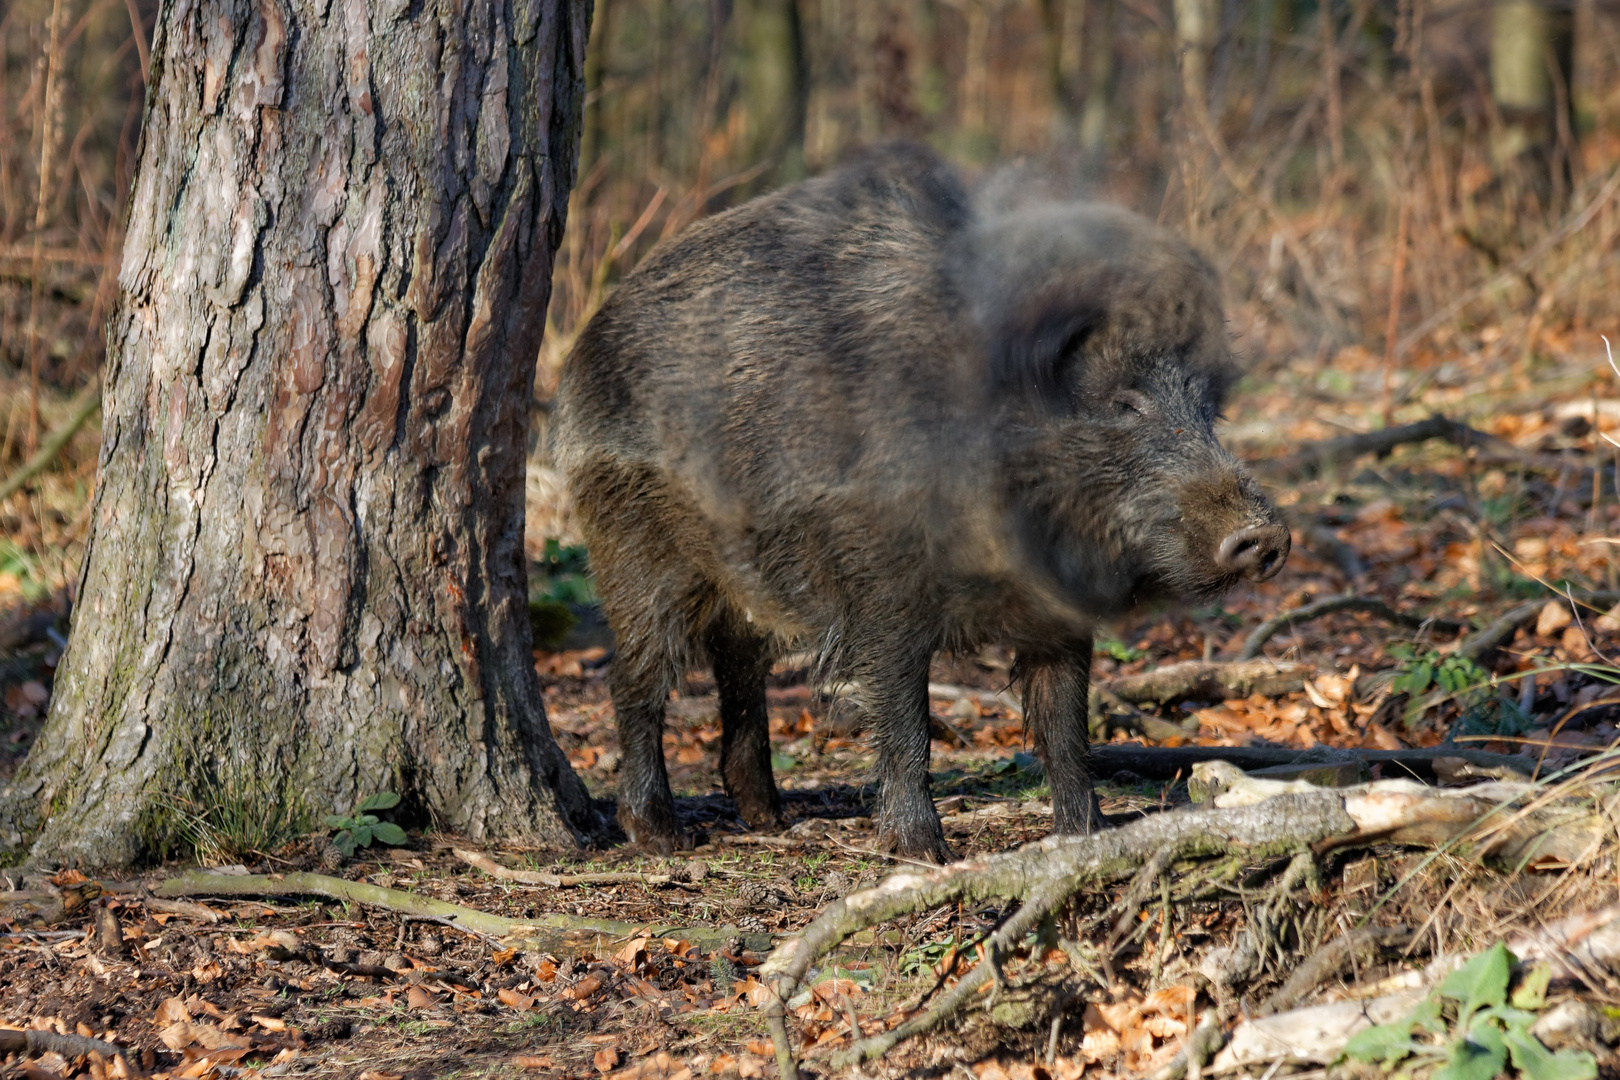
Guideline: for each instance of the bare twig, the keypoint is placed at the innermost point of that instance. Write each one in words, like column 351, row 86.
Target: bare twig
column 85, row 406
column 1330, row 959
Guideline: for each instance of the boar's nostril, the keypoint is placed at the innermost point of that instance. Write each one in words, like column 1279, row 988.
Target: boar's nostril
column 1256, row 552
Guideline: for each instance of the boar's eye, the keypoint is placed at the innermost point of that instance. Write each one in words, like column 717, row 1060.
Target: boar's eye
column 1132, row 404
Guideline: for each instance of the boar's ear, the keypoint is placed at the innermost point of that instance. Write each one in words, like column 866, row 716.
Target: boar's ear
column 1042, row 360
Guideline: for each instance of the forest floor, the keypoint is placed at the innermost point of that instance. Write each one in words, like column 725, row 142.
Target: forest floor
column 317, row 987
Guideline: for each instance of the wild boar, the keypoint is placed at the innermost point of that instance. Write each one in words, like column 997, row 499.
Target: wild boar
column 860, row 416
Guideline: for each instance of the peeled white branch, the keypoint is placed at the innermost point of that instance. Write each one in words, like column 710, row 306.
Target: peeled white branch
column 1572, row 946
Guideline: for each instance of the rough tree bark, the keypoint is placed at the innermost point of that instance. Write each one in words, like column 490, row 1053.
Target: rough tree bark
column 305, row 578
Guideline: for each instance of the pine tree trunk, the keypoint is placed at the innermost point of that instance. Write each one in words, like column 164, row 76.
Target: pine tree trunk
column 305, row 579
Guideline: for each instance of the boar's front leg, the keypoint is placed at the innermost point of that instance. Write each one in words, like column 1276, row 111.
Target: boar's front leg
column 1056, row 687
column 894, row 695
column 741, row 663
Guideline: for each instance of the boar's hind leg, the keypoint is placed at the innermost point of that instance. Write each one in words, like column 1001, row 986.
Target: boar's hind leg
column 1057, row 714
column 894, row 696
column 741, row 662
column 640, row 687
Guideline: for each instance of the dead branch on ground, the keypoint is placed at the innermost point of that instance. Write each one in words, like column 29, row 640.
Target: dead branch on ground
column 69, row 1046
column 1314, row 456
column 1252, row 820
column 1210, row 681
column 1571, row 947
column 1501, row 630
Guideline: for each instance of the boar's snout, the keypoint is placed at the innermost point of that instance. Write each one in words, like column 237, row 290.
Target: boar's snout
column 1256, row 552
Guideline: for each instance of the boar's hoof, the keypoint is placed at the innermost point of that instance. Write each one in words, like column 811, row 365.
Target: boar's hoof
column 761, row 813
column 655, row 837
column 924, row 842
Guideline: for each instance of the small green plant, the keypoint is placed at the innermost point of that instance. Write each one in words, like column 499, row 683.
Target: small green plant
column 359, row 829
column 1428, row 679
column 562, row 583
column 26, row 568
column 1107, row 645
column 1469, row 1028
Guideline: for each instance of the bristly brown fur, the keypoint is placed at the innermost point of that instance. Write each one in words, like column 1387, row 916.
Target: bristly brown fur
column 859, row 416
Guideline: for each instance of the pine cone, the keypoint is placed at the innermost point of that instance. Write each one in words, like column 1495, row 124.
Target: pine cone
column 748, row 924
column 331, row 857
column 756, row 893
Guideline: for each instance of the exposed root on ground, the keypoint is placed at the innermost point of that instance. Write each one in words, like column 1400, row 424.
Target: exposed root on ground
column 547, row 933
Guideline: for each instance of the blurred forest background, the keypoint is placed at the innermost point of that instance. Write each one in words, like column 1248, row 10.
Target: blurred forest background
column 1407, row 198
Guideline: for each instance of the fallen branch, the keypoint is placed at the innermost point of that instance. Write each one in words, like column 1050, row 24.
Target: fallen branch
column 1109, row 711
column 84, row 406
column 1043, row 875
column 1322, row 541
column 1166, row 763
column 1252, row 820
column 13, row 1041
column 1318, row 1034
column 1500, row 631
column 1367, row 605
column 1210, row 681
column 554, row 933
column 1314, row 456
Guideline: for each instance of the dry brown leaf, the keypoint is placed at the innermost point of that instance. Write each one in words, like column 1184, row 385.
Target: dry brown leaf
column 1554, row 617
column 171, row 1011
column 634, row 951
column 280, row 939
column 583, row 989
column 514, row 1000
column 531, row 1061
column 270, row 1023
column 1382, row 738
column 378, row 1074
column 606, row 1059
column 418, row 998
column 750, row 1067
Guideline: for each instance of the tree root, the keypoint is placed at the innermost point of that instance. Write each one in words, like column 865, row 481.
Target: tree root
column 1369, row 605
column 681, row 874
column 555, row 933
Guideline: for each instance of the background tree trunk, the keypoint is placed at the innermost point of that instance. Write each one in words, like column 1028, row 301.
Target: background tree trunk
column 1532, row 67
column 773, row 85
column 305, row 580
